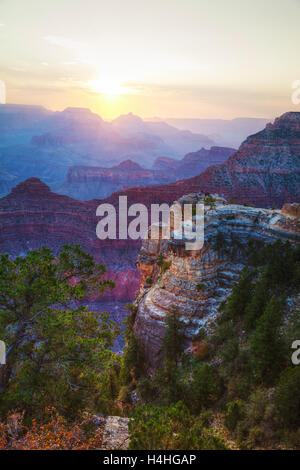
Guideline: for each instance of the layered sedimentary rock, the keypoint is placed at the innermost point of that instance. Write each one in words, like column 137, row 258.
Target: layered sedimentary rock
column 265, row 171
column 196, row 282
column 90, row 182
column 32, row 216
column 291, row 209
column 170, row 138
column 196, row 162
column 193, row 163
column 45, row 144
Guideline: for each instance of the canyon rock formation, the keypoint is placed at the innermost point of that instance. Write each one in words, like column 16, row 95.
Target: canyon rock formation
column 90, row 182
column 93, row 182
column 265, row 171
column 198, row 281
column 32, row 216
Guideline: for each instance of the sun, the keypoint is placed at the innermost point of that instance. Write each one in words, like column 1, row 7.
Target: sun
column 108, row 86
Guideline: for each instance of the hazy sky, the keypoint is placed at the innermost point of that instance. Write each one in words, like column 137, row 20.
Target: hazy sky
column 167, row 58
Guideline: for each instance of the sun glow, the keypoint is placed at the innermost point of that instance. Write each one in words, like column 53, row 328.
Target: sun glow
column 108, row 86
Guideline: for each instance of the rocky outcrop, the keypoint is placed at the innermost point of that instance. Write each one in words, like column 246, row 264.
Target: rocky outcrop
column 291, row 209
column 111, row 432
column 193, row 163
column 165, row 164
column 196, row 162
column 45, row 144
column 196, row 282
column 265, row 171
column 32, row 216
column 115, row 433
column 181, row 141
column 89, row 182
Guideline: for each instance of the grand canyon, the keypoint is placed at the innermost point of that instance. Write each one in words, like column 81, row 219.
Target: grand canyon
column 149, row 229
column 264, row 172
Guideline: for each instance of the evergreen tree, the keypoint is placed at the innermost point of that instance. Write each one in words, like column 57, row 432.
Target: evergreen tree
column 257, row 302
column 240, row 295
column 266, row 344
column 167, row 377
column 174, row 339
column 58, row 352
column 280, row 265
column 205, row 387
column 287, row 398
column 133, row 357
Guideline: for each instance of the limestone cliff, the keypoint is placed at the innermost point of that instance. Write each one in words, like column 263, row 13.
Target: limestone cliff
column 265, row 171
column 198, row 281
column 32, row 216
column 88, row 182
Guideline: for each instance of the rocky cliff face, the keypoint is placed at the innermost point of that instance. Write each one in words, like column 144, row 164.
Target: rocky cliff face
column 32, row 216
column 45, row 144
column 193, row 163
column 181, row 141
column 265, row 171
column 88, row 182
column 196, row 282
column 196, row 162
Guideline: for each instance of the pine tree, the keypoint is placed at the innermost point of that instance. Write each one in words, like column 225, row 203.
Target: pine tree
column 168, row 376
column 58, row 352
column 266, row 345
column 240, row 295
column 174, row 339
column 287, row 397
column 258, row 302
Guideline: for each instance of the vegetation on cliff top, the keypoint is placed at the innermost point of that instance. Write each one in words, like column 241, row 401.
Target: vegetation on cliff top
column 246, row 374
column 58, row 352
column 59, row 358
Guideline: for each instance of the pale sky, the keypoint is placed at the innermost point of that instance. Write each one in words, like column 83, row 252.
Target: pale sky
column 166, row 58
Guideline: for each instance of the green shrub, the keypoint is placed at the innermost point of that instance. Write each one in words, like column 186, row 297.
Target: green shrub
column 170, row 428
column 267, row 347
column 287, row 398
column 205, row 388
column 235, row 412
column 165, row 266
column 200, row 286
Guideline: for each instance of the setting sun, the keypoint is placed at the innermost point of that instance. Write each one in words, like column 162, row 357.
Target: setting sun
column 108, row 86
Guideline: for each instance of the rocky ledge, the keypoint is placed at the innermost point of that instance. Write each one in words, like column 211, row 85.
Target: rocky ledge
column 196, row 282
